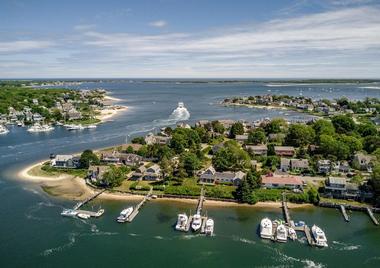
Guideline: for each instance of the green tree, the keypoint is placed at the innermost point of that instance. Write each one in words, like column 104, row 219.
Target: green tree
column 371, row 143
column 323, row 127
column 218, row 127
column 130, row 150
column 300, row 135
column 313, row 195
column 277, row 125
column 139, row 140
column 354, row 144
column 343, row 124
column 113, row 177
column 367, row 130
column 166, row 168
column 236, row 129
column 244, row 192
column 190, row 162
column 253, row 180
column 257, row 136
column 87, row 158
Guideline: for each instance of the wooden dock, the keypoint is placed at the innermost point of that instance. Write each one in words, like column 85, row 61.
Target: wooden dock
column 285, row 210
column 84, row 202
column 370, row 213
column 136, row 209
column 201, row 201
column 344, row 213
column 306, row 230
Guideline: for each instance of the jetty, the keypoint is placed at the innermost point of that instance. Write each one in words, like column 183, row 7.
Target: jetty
column 198, row 211
column 370, row 213
column 137, row 208
column 84, row 202
column 344, row 213
column 201, row 201
column 285, row 210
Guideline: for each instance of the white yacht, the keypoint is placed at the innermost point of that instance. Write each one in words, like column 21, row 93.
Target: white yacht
column 292, row 233
column 197, row 222
column 181, row 105
column 83, row 216
column 181, row 222
column 40, row 128
column 281, row 233
column 3, row 130
column 124, row 214
column 266, row 230
column 209, row 227
column 74, row 127
column 90, row 126
column 319, row 236
column 69, row 213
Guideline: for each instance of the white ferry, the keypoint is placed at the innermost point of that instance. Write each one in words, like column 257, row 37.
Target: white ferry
column 124, row 214
column 266, row 230
column 3, row 130
column 281, row 233
column 209, row 230
column 319, row 236
column 181, row 222
column 69, row 213
column 40, row 128
column 197, row 222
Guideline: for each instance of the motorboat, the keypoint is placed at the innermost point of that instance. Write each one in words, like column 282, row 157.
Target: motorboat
column 292, row 233
column 40, row 128
column 266, row 230
column 20, row 124
column 69, row 213
column 83, row 216
column 181, row 222
column 124, row 214
column 209, row 230
column 319, row 236
column 90, row 126
column 3, row 130
column 197, row 222
column 74, row 127
column 281, row 233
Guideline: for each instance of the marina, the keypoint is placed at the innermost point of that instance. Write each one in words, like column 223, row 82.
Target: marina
column 137, row 208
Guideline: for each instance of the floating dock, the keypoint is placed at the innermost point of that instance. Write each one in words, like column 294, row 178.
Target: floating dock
column 136, row 209
column 344, row 213
column 370, row 213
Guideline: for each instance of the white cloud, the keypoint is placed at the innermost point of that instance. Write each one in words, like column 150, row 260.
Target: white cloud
column 23, row 46
column 158, row 23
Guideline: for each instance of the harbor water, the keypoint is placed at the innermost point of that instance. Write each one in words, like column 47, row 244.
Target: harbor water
column 34, row 234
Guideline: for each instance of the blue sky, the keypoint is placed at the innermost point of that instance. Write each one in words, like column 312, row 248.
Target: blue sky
column 193, row 38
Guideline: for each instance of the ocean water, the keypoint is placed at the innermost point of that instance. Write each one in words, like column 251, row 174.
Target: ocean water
column 33, row 233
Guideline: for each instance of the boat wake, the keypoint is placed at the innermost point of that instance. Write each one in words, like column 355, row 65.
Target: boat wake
column 72, row 239
column 188, row 237
column 344, row 247
column 31, row 213
column 243, row 240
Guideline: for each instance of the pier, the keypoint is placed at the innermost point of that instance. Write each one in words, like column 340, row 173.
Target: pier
column 198, row 211
column 285, row 210
column 201, row 201
column 344, row 213
column 370, row 213
column 82, row 203
column 136, row 209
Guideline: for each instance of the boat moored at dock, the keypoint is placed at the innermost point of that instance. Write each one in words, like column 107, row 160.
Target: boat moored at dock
column 266, row 230
column 292, row 233
column 181, row 222
column 69, row 213
column 83, row 216
column 319, row 236
column 281, row 233
column 197, row 222
column 3, row 130
column 124, row 214
column 36, row 128
column 209, row 230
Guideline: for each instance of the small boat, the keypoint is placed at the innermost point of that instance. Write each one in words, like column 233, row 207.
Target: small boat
column 83, row 216
column 197, row 221
column 74, row 127
column 90, row 126
column 209, row 230
column 266, row 230
column 124, row 214
column 40, row 128
column 3, row 130
column 281, row 233
column 154, row 196
column 69, row 213
column 99, row 213
column 292, row 233
column 319, row 236
column 20, row 124
column 181, row 222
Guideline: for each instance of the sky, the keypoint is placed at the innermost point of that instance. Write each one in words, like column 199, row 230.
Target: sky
column 190, row 39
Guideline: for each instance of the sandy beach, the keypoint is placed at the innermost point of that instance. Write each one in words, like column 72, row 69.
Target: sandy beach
column 74, row 188
column 108, row 113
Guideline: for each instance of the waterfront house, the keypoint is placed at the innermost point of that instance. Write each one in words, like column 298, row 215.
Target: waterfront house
column 73, row 114
column 293, row 164
column 154, row 139
column 281, row 181
column 130, row 159
column 152, row 173
column 340, row 166
column 65, row 161
column 37, row 117
column 284, row 150
column 211, row 176
column 338, row 187
column 261, row 150
column 96, row 172
column 110, row 157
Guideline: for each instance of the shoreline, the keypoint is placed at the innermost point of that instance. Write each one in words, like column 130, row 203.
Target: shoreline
column 70, row 187
column 111, row 111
